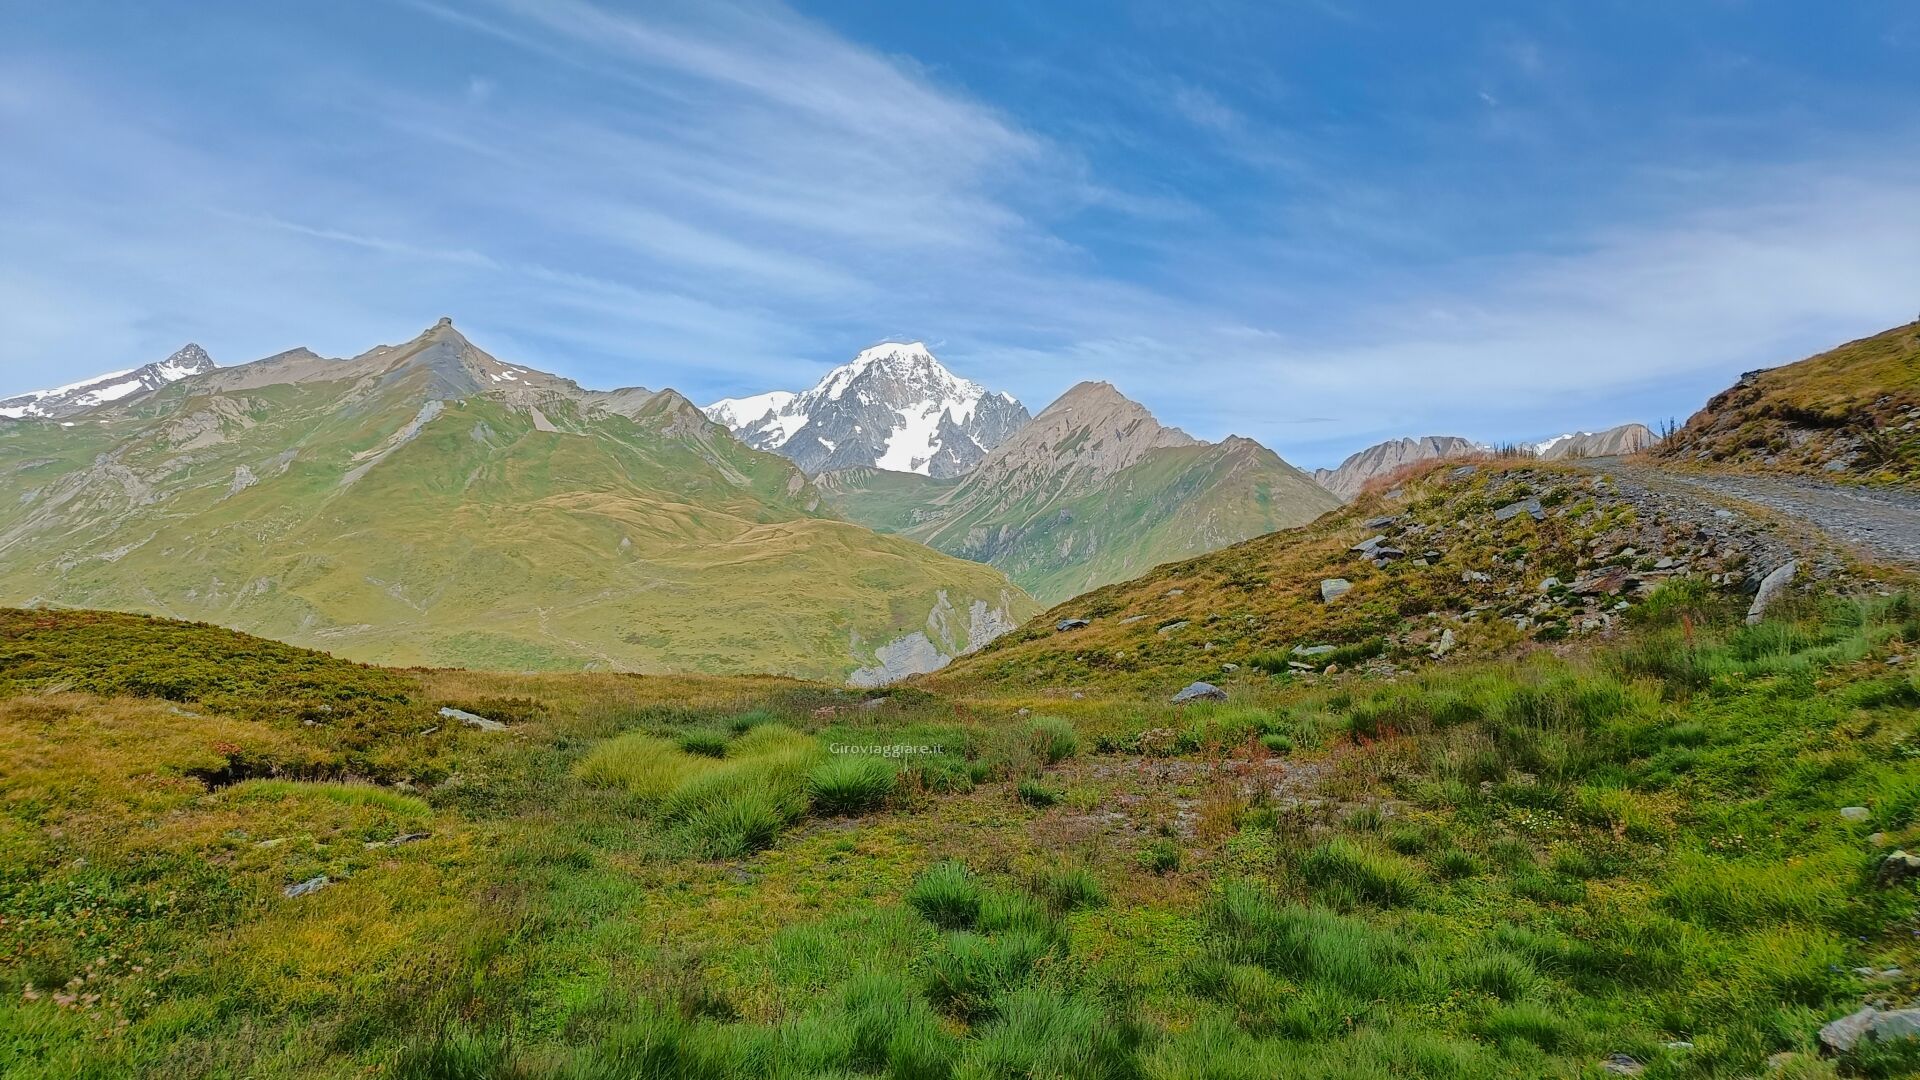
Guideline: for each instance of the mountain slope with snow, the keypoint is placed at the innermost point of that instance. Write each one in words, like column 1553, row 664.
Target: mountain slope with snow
column 429, row 503
column 64, row 401
column 892, row 407
column 1094, row 490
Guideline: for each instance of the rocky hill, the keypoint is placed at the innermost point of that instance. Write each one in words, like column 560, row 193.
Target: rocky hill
column 115, row 386
column 1615, row 441
column 1092, row 491
column 1390, row 456
column 893, row 407
column 427, row 503
column 1464, row 560
column 1850, row 413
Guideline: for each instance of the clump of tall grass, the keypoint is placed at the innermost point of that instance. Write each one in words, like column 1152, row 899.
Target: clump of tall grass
column 1071, row 888
column 1245, row 925
column 1340, row 866
column 971, row 970
column 1035, row 793
column 704, row 742
column 850, row 784
column 726, row 806
column 948, row 895
column 890, row 1028
column 1044, row 1033
column 1054, row 740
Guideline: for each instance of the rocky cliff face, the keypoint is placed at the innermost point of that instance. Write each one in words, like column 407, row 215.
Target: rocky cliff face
column 893, row 407
column 1383, row 458
column 115, row 386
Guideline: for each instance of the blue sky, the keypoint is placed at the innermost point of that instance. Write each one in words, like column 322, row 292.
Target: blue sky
column 1317, row 223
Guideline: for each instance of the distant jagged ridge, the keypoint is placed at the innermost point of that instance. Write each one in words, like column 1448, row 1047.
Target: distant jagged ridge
column 1383, row 458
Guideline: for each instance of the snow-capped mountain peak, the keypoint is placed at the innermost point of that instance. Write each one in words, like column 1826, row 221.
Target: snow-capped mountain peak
column 64, row 401
column 893, row 406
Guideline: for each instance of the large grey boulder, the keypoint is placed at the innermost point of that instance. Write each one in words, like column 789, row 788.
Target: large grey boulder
column 1200, row 691
column 1770, row 588
column 1842, row 1035
column 1901, row 866
column 1333, row 588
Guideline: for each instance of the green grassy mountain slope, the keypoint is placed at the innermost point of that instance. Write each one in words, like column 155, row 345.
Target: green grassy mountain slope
column 1853, row 412
column 427, row 504
column 1092, row 491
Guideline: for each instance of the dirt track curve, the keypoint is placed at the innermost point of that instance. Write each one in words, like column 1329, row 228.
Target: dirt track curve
column 1880, row 522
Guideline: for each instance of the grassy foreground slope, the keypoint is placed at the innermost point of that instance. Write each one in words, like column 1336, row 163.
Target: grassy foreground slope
column 1463, row 566
column 223, row 856
column 370, row 508
column 1851, row 413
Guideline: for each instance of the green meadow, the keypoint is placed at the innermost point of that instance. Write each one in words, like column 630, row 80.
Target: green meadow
column 1501, row 869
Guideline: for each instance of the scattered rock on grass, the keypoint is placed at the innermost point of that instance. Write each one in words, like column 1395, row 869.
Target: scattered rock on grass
column 1855, row 813
column 1333, row 588
column 472, row 719
column 1898, row 867
column 1530, row 507
column 1070, row 624
column 311, row 885
column 1200, row 691
column 1842, row 1035
column 1622, row 1065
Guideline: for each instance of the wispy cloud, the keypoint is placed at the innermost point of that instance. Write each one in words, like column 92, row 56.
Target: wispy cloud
column 727, row 197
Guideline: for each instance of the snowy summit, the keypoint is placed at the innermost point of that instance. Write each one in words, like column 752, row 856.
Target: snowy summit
column 894, row 406
column 64, row 401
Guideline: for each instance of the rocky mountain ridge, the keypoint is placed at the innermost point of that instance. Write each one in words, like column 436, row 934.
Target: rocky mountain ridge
column 428, row 503
column 1093, row 490
column 72, row 399
column 894, row 407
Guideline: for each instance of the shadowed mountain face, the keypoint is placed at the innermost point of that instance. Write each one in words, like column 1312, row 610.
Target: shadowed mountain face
column 427, row 503
column 1093, row 490
column 893, row 407
column 1852, row 412
column 115, row 386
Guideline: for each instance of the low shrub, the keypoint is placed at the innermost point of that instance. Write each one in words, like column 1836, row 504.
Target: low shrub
column 1160, row 856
